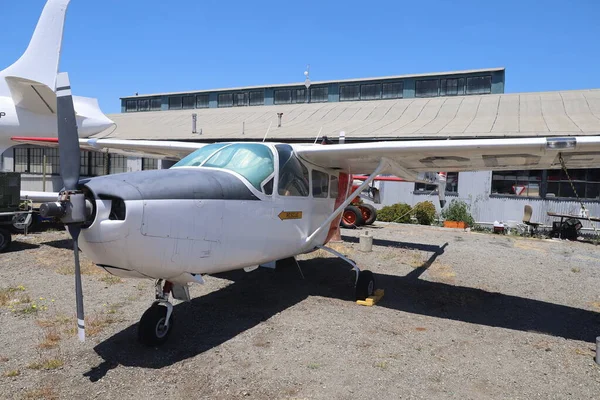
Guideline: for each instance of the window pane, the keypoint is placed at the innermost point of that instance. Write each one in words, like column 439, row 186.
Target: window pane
column 426, row 88
column 300, row 96
column 253, row 161
column 349, row 92
column 449, row 87
column 451, row 184
column 293, row 175
column 392, row 90
column 241, row 99
column 319, row 94
column 35, row 160
column 282, row 97
column 320, row 184
column 97, row 161
column 131, row 105
column 117, row 164
column 149, row 164
column 333, row 193
column 199, row 156
column 226, row 100
column 479, row 85
column 202, row 101
column 21, row 160
column 85, row 163
column 257, row 98
column 144, row 105
column 189, row 102
column 370, row 92
column 175, row 103
column 155, row 104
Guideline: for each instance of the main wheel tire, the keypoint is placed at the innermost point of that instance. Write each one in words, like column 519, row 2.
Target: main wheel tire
column 5, row 240
column 369, row 213
column 20, row 219
column 352, row 217
column 152, row 330
column 365, row 286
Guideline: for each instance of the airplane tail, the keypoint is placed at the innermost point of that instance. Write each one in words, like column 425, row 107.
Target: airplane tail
column 39, row 63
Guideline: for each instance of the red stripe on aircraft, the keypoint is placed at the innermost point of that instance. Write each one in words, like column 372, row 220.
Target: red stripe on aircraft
column 34, row 139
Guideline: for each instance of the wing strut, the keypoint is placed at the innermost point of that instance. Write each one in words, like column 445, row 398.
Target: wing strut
column 383, row 165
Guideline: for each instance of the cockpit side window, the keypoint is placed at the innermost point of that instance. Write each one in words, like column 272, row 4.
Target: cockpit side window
column 199, row 156
column 320, row 183
column 293, row 175
column 253, row 161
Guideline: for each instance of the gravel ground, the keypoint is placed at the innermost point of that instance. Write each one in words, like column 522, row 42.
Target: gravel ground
column 465, row 316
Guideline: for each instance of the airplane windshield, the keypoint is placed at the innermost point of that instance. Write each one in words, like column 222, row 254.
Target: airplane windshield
column 251, row 160
column 199, row 156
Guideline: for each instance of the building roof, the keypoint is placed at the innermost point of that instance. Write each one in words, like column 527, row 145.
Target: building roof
column 564, row 113
column 314, row 83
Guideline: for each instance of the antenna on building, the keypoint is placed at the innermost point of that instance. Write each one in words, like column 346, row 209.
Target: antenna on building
column 268, row 129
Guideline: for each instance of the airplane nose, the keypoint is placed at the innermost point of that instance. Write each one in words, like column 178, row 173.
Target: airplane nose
column 94, row 125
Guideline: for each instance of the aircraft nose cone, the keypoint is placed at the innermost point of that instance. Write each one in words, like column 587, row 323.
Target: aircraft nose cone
column 94, row 125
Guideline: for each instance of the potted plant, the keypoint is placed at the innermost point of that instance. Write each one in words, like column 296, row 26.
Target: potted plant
column 457, row 215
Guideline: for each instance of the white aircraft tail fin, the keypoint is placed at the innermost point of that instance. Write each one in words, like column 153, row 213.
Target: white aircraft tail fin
column 40, row 61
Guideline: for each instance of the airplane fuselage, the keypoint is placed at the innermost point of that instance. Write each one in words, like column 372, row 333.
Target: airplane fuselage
column 171, row 224
column 16, row 121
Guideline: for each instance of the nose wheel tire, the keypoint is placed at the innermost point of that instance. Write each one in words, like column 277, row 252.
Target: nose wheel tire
column 365, row 286
column 152, row 330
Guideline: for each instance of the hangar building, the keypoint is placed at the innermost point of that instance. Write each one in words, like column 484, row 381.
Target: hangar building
column 461, row 104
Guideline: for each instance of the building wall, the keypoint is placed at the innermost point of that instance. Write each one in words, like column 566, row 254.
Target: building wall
column 409, row 88
column 474, row 188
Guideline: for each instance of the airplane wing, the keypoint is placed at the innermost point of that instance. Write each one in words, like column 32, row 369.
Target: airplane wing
column 408, row 159
column 171, row 150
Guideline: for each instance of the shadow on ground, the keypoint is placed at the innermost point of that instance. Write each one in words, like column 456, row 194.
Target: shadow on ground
column 18, row 245
column 211, row 320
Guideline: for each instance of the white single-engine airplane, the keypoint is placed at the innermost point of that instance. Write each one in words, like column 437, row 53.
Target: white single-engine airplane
column 28, row 87
column 228, row 206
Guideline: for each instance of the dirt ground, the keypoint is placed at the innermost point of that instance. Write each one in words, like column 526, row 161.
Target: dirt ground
column 465, row 316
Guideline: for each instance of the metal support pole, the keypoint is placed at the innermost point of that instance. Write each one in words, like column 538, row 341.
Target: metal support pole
column 44, row 174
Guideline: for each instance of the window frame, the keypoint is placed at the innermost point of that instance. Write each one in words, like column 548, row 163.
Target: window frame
column 437, row 87
column 424, row 188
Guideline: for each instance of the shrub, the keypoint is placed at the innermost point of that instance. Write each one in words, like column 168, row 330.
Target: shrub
column 458, row 211
column 399, row 212
column 424, row 212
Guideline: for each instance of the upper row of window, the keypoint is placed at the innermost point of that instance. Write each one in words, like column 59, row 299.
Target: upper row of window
column 318, row 94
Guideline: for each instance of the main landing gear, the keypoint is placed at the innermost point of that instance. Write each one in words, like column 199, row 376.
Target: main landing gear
column 365, row 281
column 157, row 322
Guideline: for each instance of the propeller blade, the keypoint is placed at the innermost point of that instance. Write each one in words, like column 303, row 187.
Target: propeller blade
column 75, row 230
column 72, row 206
column 68, row 138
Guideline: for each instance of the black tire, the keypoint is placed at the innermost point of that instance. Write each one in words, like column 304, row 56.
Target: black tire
column 5, row 240
column 149, row 328
column 371, row 213
column 365, row 286
column 352, row 217
column 21, row 217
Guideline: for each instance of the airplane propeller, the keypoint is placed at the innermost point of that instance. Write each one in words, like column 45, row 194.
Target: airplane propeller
column 72, row 208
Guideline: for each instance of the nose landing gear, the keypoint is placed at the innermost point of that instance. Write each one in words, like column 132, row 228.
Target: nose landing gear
column 157, row 322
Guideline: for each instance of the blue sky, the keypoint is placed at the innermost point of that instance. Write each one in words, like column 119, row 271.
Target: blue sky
column 114, row 48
